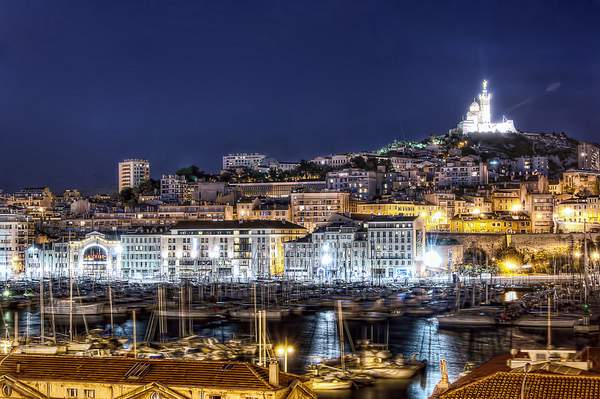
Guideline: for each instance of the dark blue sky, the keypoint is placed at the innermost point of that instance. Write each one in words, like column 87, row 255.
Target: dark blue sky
column 86, row 83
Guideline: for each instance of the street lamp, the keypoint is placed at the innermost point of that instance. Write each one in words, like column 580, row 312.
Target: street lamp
column 285, row 350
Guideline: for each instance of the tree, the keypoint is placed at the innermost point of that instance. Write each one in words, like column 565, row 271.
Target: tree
column 192, row 173
column 148, row 187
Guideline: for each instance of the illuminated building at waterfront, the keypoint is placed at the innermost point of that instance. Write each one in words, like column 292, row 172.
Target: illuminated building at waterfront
column 359, row 248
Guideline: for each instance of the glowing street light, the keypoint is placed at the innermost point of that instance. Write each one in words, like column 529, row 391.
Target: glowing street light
column 284, row 350
column 432, row 259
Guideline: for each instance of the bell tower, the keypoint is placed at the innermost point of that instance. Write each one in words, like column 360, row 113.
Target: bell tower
column 485, row 103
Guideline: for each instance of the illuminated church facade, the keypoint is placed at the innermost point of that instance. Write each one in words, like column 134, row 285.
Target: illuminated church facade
column 479, row 116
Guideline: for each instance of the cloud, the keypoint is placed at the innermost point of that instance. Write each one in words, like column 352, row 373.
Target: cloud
column 553, row 87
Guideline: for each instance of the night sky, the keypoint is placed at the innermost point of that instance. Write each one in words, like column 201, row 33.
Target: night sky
column 84, row 84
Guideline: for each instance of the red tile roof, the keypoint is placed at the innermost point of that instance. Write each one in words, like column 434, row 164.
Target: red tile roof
column 116, row 370
column 503, row 385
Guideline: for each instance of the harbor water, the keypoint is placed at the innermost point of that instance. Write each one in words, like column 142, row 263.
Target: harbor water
column 314, row 338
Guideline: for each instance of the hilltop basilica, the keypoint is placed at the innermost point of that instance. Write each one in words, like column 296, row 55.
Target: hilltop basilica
column 479, row 117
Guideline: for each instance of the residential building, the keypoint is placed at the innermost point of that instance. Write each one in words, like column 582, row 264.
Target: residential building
column 583, row 182
column 263, row 209
column 16, row 235
column 359, row 248
column 493, row 223
column 541, row 209
column 141, row 256
column 361, row 184
column 528, row 373
column 333, row 161
column 229, row 249
column 462, row 172
column 527, row 166
column 472, row 205
column 188, row 249
column 269, row 164
column 314, row 209
column 242, row 160
column 32, row 197
column 507, row 200
column 173, row 188
column 588, row 156
column 45, row 377
column 435, row 217
column 132, row 172
column 578, row 214
column 276, row 189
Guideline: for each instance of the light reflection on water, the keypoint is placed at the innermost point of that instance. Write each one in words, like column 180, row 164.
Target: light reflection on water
column 315, row 336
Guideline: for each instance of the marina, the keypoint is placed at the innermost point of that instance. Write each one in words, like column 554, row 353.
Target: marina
column 387, row 345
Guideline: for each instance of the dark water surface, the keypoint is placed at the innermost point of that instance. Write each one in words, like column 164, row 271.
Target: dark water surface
column 315, row 337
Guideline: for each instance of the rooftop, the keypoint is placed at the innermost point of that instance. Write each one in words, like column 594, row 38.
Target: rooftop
column 118, row 370
column 235, row 225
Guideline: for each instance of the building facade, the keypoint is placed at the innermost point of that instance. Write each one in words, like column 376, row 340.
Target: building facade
column 243, row 160
column 588, row 156
column 132, row 172
column 360, row 248
column 314, row 209
column 16, row 235
column 361, row 184
column 462, row 172
column 173, row 188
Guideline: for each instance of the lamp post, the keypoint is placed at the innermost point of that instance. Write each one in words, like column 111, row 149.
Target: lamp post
column 285, row 350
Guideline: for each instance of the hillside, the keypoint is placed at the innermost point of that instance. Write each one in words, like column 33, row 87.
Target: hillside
column 560, row 149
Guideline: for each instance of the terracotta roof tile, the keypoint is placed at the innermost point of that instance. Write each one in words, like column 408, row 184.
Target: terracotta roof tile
column 206, row 374
column 503, row 385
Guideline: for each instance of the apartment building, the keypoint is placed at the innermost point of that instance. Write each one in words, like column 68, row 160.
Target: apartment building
column 361, row 184
column 314, row 209
column 132, row 172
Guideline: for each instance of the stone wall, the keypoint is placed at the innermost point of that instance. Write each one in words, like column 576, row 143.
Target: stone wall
column 527, row 244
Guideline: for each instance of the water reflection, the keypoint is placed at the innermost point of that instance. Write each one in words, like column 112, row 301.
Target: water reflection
column 315, row 337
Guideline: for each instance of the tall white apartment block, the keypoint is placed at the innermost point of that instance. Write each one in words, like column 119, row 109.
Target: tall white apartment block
column 132, row 172
column 16, row 235
column 243, row 160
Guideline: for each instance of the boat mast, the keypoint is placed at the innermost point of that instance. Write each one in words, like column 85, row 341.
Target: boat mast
column 70, row 301
column 549, row 332
column 341, row 333
column 585, row 261
column 42, row 304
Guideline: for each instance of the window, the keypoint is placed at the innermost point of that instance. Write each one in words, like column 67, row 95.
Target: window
column 71, row 392
column 89, row 393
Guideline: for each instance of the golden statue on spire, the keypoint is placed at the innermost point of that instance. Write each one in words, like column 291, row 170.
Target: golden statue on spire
column 485, row 83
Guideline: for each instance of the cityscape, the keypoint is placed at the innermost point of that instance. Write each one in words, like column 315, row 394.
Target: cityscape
column 459, row 263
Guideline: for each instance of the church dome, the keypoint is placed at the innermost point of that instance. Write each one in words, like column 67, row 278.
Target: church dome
column 474, row 107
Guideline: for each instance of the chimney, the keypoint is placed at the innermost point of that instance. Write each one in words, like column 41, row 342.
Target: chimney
column 274, row 373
